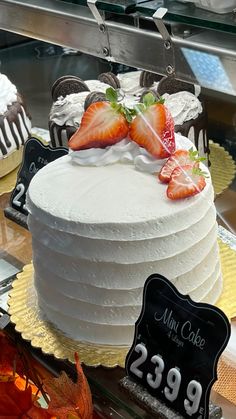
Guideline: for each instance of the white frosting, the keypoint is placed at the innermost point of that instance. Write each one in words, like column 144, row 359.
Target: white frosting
column 125, row 151
column 8, row 93
column 68, row 110
column 183, row 106
column 100, row 231
column 130, row 83
column 97, row 86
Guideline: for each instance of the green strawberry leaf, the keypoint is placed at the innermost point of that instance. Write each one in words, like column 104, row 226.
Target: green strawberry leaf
column 149, row 99
column 199, row 172
column 111, row 95
column 193, row 155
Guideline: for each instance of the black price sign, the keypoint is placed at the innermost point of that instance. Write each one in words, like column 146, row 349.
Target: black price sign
column 36, row 155
column 176, row 347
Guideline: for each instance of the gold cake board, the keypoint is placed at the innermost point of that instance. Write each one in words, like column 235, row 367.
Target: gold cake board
column 29, row 322
column 222, row 170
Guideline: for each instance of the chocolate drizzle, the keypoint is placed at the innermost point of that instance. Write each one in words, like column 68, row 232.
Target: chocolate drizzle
column 60, row 135
column 14, row 116
column 199, row 125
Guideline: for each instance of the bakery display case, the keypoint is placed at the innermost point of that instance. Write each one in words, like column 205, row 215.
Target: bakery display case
column 41, row 41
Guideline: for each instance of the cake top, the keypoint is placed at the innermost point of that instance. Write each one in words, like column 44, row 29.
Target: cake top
column 8, row 93
column 115, row 201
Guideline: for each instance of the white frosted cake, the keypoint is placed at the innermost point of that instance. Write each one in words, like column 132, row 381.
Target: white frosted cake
column 15, row 126
column 101, row 223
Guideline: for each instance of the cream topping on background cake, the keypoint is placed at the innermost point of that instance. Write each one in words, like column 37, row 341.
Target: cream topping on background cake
column 8, row 93
column 97, row 86
column 183, row 106
column 129, row 83
column 68, row 110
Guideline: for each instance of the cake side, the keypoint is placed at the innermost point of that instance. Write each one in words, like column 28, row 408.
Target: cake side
column 113, row 226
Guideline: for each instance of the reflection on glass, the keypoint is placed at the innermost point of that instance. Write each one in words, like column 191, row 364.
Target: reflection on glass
column 208, row 70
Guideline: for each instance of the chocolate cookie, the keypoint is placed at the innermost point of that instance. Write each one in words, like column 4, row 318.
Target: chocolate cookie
column 109, row 78
column 147, row 79
column 153, row 92
column 171, row 85
column 57, row 81
column 94, row 97
column 68, row 85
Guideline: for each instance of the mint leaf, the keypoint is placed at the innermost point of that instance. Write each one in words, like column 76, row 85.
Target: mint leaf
column 111, row 95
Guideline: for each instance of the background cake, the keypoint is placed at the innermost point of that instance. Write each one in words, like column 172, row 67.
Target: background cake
column 182, row 99
column 15, row 126
column 102, row 222
column 69, row 95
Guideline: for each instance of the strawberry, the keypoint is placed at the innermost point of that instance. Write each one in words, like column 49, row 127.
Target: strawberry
column 179, row 158
column 103, row 124
column 153, row 128
column 185, row 181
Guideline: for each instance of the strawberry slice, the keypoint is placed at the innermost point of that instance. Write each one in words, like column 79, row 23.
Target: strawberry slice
column 101, row 125
column 153, row 129
column 185, row 181
column 179, row 158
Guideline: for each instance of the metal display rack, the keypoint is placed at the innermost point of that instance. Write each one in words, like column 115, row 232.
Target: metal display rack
column 144, row 34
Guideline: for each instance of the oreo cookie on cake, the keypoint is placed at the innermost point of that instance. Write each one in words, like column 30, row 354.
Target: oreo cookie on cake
column 188, row 111
column 15, row 126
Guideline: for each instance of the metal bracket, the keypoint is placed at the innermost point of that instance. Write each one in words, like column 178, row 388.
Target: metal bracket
column 168, row 46
column 106, row 50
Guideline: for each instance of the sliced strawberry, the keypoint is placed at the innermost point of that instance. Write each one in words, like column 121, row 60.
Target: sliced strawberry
column 153, row 129
column 179, row 158
column 185, row 181
column 101, row 125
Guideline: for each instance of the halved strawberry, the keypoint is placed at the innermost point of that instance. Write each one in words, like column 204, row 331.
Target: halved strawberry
column 153, row 129
column 101, row 125
column 179, row 158
column 185, row 181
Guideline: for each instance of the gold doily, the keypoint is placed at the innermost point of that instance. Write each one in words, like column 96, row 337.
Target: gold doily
column 223, row 170
column 26, row 316
column 8, row 182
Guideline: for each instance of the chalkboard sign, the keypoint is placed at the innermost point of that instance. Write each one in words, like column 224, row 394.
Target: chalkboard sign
column 36, row 155
column 176, row 348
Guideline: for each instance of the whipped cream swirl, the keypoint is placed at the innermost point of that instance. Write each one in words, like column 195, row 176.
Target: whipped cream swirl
column 68, row 110
column 127, row 152
column 183, row 106
column 8, row 93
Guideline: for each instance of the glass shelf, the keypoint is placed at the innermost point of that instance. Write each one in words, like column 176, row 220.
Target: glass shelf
column 189, row 14
column 186, row 13
column 112, row 6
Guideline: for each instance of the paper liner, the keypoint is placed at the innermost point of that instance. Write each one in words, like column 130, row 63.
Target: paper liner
column 30, row 323
column 222, row 169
